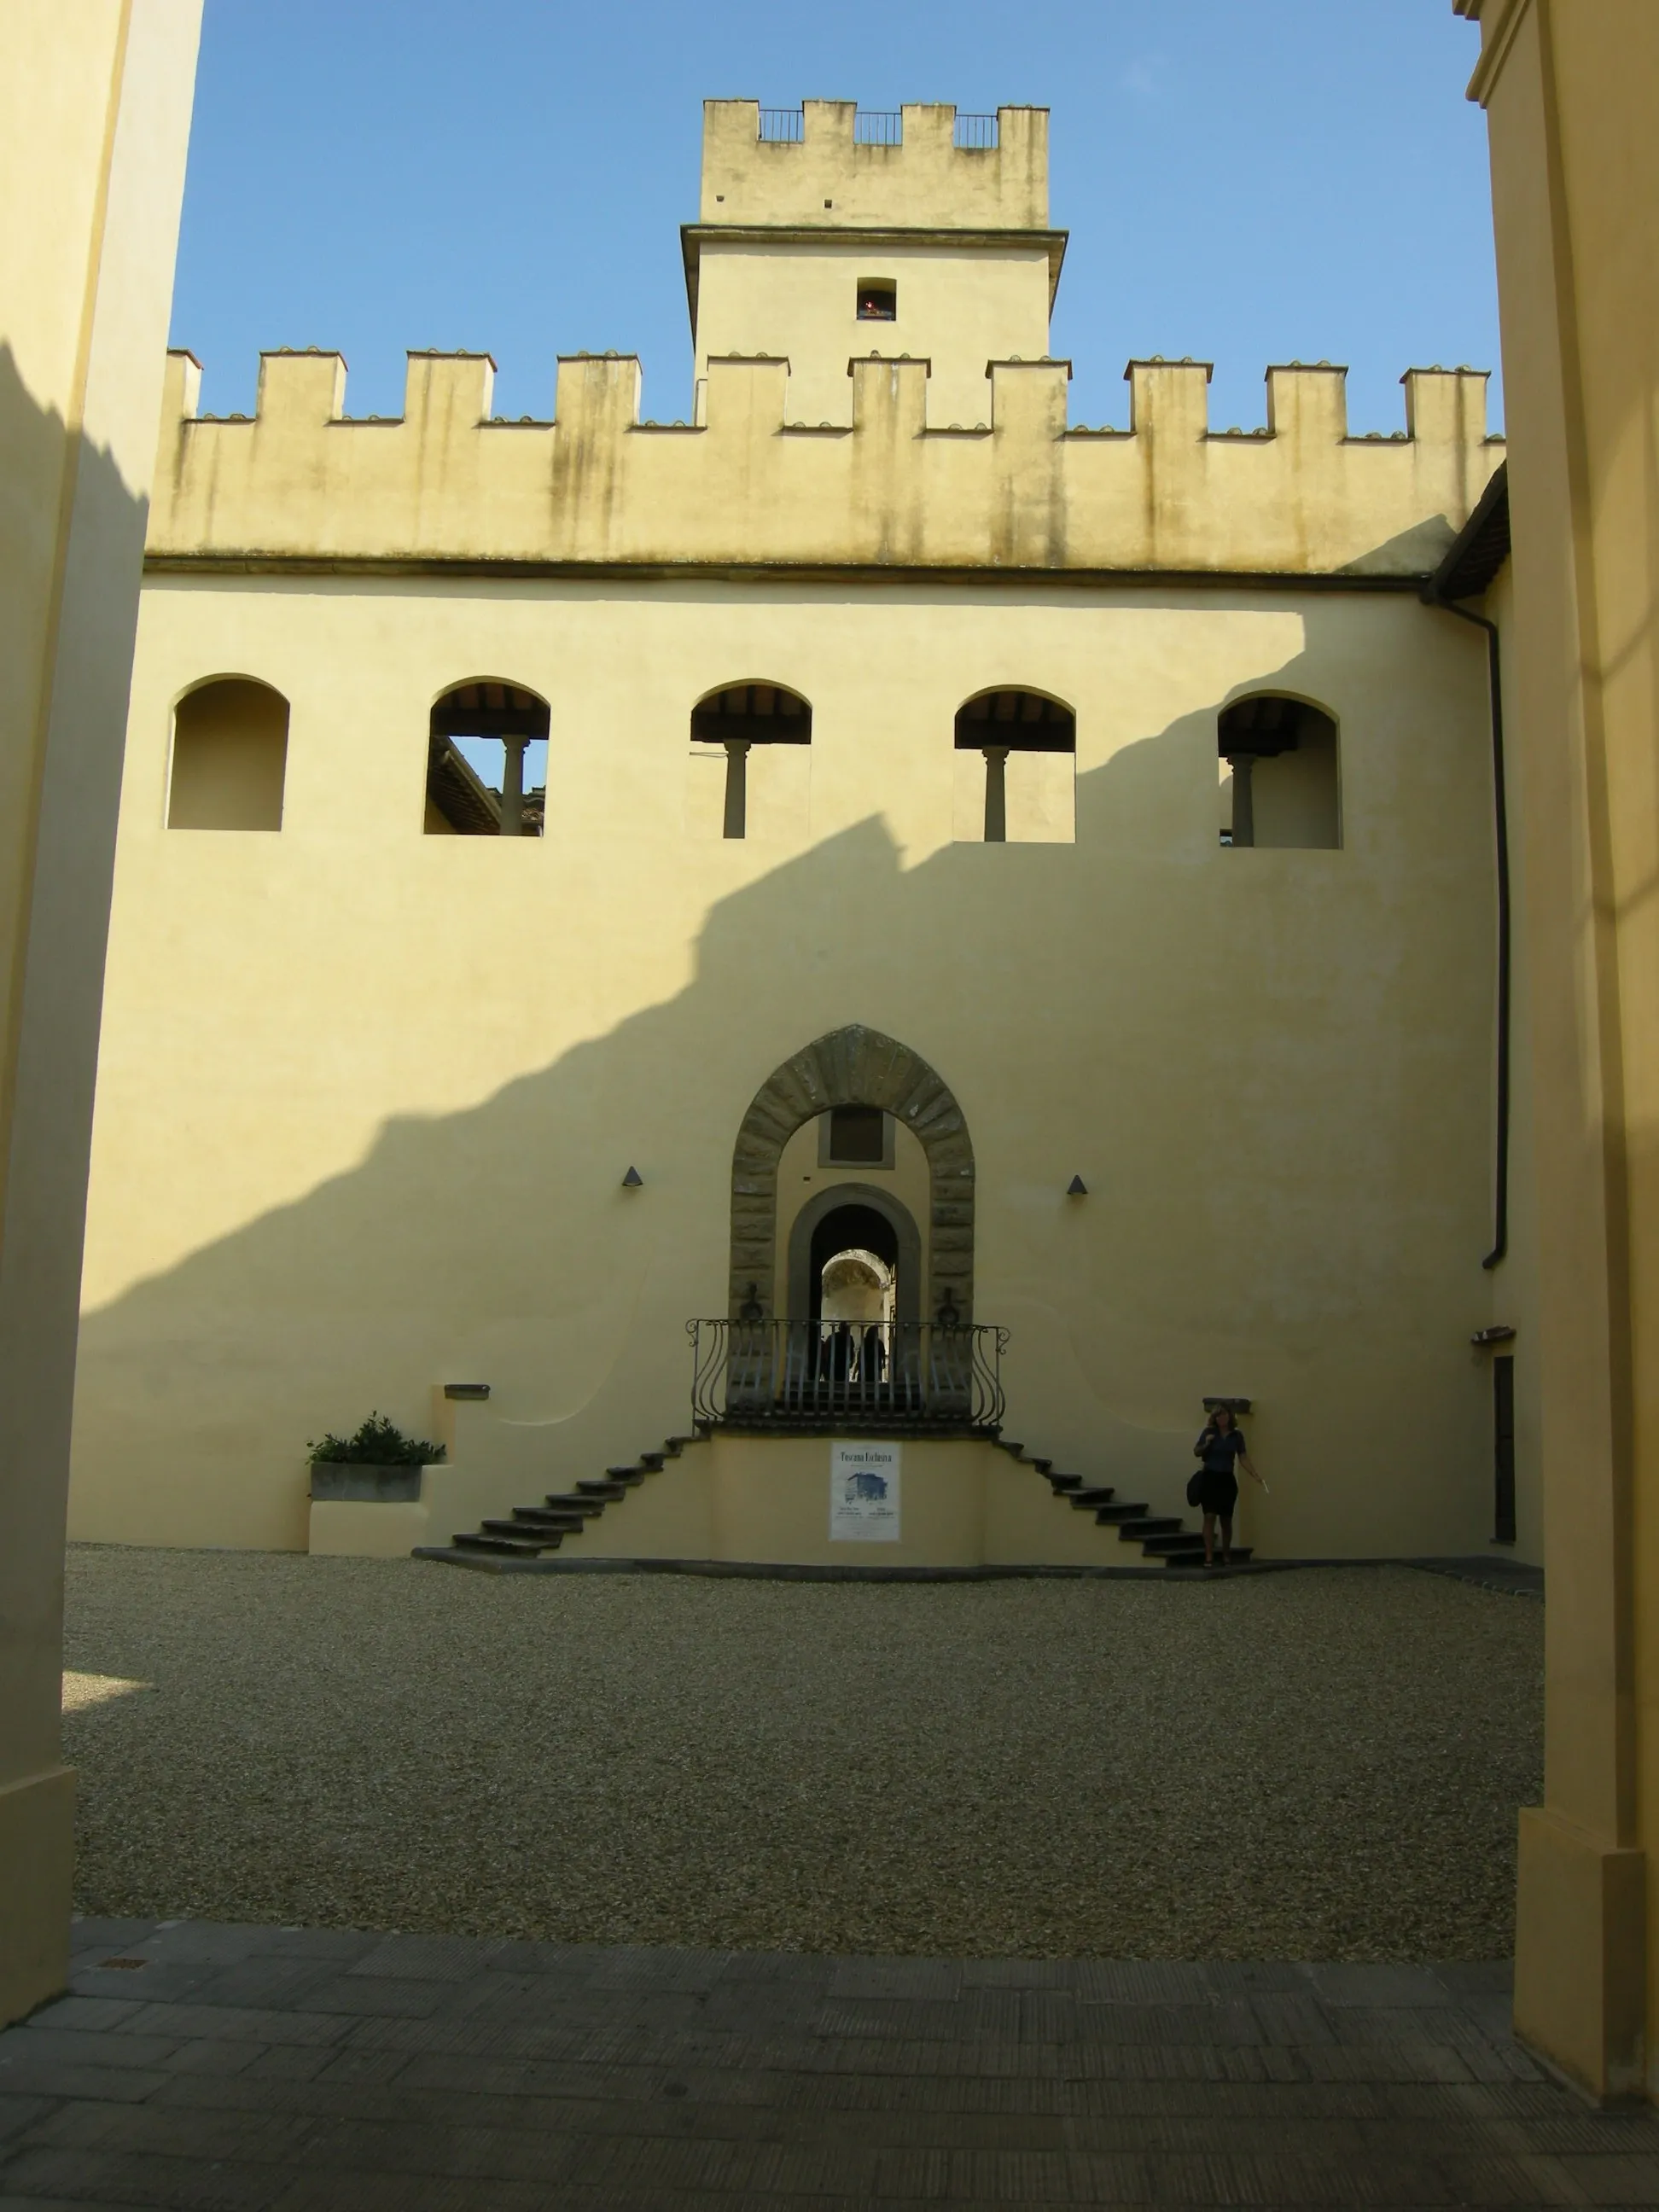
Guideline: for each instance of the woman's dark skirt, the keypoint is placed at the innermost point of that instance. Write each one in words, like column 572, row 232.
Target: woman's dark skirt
column 1218, row 1493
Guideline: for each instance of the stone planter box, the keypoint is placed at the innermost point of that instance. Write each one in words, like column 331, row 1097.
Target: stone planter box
column 339, row 1482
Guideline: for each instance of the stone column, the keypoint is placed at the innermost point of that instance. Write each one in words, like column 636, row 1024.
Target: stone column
column 512, row 786
column 94, row 118
column 996, row 794
column 1570, row 89
column 736, row 787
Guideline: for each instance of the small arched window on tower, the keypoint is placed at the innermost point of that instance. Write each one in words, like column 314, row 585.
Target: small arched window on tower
column 1279, row 773
column 750, row 766
column 1016, row 770
column 486, row 771
column 229, row 756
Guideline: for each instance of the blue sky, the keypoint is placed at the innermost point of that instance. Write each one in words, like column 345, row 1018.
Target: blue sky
column 1245, row 181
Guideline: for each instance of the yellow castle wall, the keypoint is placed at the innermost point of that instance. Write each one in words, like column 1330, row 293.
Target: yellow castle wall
column 367, row 1096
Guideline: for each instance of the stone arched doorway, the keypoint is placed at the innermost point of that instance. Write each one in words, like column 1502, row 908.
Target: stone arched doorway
column 853, row 1066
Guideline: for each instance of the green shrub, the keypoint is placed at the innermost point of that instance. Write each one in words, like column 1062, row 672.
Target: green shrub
column 379, row 1442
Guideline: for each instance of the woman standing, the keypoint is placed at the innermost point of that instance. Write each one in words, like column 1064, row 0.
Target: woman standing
column 1219, row 1451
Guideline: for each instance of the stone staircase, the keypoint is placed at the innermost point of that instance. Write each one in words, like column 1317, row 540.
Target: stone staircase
column 531, row 1531
column 1163, row 1538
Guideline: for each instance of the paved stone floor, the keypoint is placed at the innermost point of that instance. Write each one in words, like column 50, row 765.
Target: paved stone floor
column 238, row 2068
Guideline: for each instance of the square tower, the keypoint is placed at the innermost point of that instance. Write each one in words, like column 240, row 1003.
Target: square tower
column 825, row 233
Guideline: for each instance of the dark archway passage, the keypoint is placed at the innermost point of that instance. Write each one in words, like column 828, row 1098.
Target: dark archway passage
column 848, row 1229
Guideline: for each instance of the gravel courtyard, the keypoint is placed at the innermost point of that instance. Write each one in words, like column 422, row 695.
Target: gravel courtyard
column 1321, row 1765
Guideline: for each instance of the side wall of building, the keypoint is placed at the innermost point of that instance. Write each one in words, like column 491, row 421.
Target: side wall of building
column 94, row 114
column 1569, row 86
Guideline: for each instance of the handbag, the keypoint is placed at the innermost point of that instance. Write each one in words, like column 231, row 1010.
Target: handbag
column 1195, row 1485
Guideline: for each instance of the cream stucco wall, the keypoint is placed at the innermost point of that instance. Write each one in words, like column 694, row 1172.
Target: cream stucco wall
column 367, row 1096
column 958, row 310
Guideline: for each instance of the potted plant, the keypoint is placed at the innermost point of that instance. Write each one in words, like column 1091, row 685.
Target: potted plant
column 378, row 1465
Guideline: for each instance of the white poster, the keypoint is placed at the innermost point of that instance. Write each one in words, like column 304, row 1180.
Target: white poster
column 864, row 1493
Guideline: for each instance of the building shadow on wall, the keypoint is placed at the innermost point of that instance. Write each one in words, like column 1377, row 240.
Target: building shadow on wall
column 65, row 674
column 1226, row 1063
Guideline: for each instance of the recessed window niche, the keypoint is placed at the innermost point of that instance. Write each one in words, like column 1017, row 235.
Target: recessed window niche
column 1016, row 770
column 229, row 756
column 1278, row 774
column 855, row 1137
column 750, row 765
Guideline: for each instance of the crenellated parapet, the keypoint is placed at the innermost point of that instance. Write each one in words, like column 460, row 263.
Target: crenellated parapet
column 749, row 488
column 924, row 171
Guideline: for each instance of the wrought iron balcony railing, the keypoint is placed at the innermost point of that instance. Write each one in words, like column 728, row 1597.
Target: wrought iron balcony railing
column 903, row 1375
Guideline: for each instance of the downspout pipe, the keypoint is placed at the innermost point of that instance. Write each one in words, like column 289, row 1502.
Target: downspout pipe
column 1434, row 597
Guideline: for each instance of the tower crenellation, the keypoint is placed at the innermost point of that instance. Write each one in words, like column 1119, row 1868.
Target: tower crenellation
column 827, row 164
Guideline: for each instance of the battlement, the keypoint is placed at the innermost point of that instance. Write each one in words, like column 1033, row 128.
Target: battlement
column 824, row 166
column 750, row 487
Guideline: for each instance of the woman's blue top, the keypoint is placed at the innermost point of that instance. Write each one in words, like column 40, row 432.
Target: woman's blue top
column 1219, row 1448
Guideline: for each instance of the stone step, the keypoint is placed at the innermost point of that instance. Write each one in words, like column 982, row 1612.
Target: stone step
column 1240, row 1557
column 1041, row 1466
column 1061, row 1483
column 572, row 1501
column 1090, row 1498
column 537, row 1517
column 607, row 1492
column 1185, row 1539
column 1107, row 1515
column 478, row 1540
column 652, row 1460
column 630, row 1475
column 1145, row 1525
column 525, row 1532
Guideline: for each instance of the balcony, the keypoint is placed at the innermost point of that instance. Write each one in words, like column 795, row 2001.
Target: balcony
column 874, row 1378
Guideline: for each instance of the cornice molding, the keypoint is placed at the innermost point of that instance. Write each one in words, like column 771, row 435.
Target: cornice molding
column 694, row 236
column 978, row 575
column 1499, row 21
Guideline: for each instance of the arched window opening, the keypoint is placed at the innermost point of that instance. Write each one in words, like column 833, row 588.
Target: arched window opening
column 1016, row 769
column 487, row 749
column 749, row 793
column 229, row 758
column 1278, row 774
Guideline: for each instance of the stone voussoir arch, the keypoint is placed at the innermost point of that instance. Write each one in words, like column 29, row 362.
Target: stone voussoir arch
column 853, row 1066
